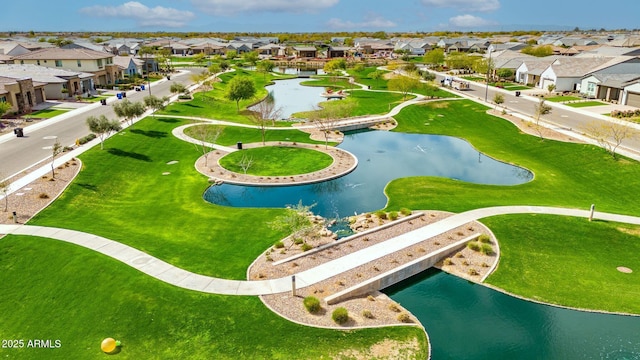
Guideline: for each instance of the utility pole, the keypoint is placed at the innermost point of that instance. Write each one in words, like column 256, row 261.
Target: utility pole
column 486, row 90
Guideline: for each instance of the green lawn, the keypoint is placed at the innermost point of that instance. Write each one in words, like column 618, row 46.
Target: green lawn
column 568, row 261
column 276, row 161
column 54, row 290
column 231, row 135
column 48, row 113
column 365, row 103
column 586, row 104
column 560, row 99
column 474, row 78
column 516, row 87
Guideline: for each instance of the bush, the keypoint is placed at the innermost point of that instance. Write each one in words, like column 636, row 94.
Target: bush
column 404, row 317
column 298, row 241
column 484, row 238
column 393, row 215
column 340, row 315
column 306, row 247
column 473, row 245
column 405, row 211
column 278, row 244
column 367, row 314
column 473, row 272
column 394, row 307
column 448, row 261
column 43, row 196
column 486, row 249
column 381, row 214
column 184, row 97
column 312, row 304
column 86, row 139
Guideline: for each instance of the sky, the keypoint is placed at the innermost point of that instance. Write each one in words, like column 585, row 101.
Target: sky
column 316, row 15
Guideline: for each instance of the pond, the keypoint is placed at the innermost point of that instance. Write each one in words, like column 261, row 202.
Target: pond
column 292, row 97
column 383, row 156
column 470, row 321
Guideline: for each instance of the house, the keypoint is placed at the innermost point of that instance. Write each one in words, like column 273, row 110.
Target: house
column 337, row 52
column 82, row 60
column 86, row 45
column 23, row 94
column 305, row 51
column 631, row 94
column 130, row 65
column 608, row 81
column 12, row 48
column 240, row 48
column 56, row 83
column 271, row 50
column 566, row 73
column 530, row 71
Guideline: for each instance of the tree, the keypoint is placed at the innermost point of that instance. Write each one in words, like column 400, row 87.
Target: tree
column 240, row 88
column 128, row 110
column 231, row 54
column 245, row 163
column 296, row 221
column 206, row 135
column 541, row 108
column 102, row 127
column 434, row 58
column 214, row 69
column 326, row 119
column 498, row 99
column 610, row 135
column 4, row 190
column 404, row 85
column 265, row 111
column 177, row 88
column 505, row 73
column 155, row 103
column 4, row 107
column 335, row 65
column 199, row 58
column 377, row 75
column 251, row 57
column 459, row 61
column 266, row 66
column 56, row 150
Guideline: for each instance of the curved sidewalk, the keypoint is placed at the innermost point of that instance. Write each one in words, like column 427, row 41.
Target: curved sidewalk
column 170, row 274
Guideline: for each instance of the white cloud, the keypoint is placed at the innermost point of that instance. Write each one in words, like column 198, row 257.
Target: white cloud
column 144, row 15
column 466, row 5
column 469, row 21
column 231, row 7
column 373, row 22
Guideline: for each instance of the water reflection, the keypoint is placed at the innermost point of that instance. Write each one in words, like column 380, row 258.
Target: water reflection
column 469, row 321
column 292, row 97
column 383, row 156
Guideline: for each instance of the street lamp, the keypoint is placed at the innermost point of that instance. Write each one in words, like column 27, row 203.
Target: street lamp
column 486, row 90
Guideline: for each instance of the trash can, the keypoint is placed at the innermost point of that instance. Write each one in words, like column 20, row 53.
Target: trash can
column 119, row 95
column 517, row 93
column 124, row 94
column 239, row 145
column 141, row 87
column 168, row 77
column 103, row 101
column 19, row 132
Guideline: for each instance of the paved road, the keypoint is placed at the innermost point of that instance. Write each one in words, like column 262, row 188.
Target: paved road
column 17, row 154
column 562, row 116
column 179, row 277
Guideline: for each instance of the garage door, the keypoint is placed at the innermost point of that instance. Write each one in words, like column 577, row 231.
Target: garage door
column 633, row 100
column 546, row 83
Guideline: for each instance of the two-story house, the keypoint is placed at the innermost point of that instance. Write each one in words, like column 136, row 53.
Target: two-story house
column 82, row 60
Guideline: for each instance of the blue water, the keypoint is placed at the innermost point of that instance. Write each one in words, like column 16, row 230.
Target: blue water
column 469, row 321
column 292, row 97
column 383, row 156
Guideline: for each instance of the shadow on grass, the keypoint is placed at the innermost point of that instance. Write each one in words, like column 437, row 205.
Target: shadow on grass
column 128, row 154
column 151, row 133
column 89, row 187
column 168, row 120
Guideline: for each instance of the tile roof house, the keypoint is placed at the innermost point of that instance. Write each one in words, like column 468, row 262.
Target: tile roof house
column 53, row 80
column 608, row 81
column 22, row 94
column 566, row 73
column 98, row 63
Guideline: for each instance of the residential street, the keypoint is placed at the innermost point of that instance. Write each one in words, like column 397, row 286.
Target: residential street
column 18, row 154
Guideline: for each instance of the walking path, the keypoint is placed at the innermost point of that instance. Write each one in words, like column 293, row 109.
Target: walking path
column 188, row 280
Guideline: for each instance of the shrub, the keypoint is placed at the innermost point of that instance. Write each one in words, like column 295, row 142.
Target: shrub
column 448, row 261
column 278, row 244
column 405, row 211
column 404, row 317
column 484, row 238
column 473, row 272
column 306, row 247
column 312, row 304
column 86, row 139
column 473, row 245
column 184, row 97
column 43, row 196
column 381, row 215
column 393, row 215
column 340, row 315
column 394, row 307
column 371, row 298
column 486, row 249
column 367, row 314
column 298, row 241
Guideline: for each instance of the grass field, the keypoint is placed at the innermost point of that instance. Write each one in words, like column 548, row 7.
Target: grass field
column 560, row 99
column 586, row 104
column 48, row 113
column 231, row 135
column 276, row 161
